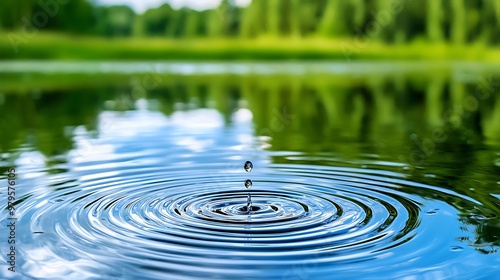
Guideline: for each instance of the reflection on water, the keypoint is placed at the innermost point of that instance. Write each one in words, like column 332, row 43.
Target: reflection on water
column 362, row 176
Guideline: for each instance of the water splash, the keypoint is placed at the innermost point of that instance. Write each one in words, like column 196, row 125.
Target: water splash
column 248, row 184
column 249, row 204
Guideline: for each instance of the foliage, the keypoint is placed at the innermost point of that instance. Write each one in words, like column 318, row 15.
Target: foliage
column 392, row 21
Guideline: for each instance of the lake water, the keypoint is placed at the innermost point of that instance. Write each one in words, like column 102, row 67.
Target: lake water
column 360, row 171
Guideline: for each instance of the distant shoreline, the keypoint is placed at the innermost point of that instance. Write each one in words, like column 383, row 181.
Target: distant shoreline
column 57, row 46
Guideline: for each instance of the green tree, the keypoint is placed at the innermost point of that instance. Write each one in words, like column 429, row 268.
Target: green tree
column 310, row 11
column 215, row 23
column 12, row 12
column 218, row 20
column 176, row 23
column 385, row 18
column 77, row 16
column 138, row 28
column 359, row 8
column 113, row 21
column 458, row 24
column 490, row 21
column 252, row 23
column 434, row 20
column 332, row 22
column 156, row 22
column 273, row 16
column 192, row 24
column 294, row 17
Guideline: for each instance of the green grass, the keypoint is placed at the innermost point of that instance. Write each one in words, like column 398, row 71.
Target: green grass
column 55, row 46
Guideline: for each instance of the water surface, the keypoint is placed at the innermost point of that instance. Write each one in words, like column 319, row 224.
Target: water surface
column 356, row 173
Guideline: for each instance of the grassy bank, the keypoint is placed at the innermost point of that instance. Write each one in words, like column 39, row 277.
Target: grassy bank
column 66, row 47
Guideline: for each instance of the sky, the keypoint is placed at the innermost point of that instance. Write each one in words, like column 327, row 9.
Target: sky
column 142, row 5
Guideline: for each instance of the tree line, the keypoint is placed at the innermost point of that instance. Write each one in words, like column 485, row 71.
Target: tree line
column 392, row 21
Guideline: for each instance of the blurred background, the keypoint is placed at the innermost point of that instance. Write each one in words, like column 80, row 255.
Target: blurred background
column 250, row 29
column 91, row 89
column 367, row 69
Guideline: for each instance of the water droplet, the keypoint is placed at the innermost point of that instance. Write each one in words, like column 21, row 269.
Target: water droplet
column 38, row 232
column 430, row 175
column 248, row 183
column 248, row 166
column 431, row 212
column 364, row 166
column 456, row 248
column 406, row 168
column 56, row 200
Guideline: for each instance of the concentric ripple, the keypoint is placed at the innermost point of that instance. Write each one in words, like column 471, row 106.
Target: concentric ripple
column 306, row 222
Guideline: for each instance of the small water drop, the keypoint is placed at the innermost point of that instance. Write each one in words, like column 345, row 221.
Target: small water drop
column 431, row 212
column 248, row 166
column 406, row 168
column 456, row 248
column 430, row 175
column 38, row 232
column 248, row 183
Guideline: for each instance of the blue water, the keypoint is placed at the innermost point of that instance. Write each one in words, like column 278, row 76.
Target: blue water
column 155, row 188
